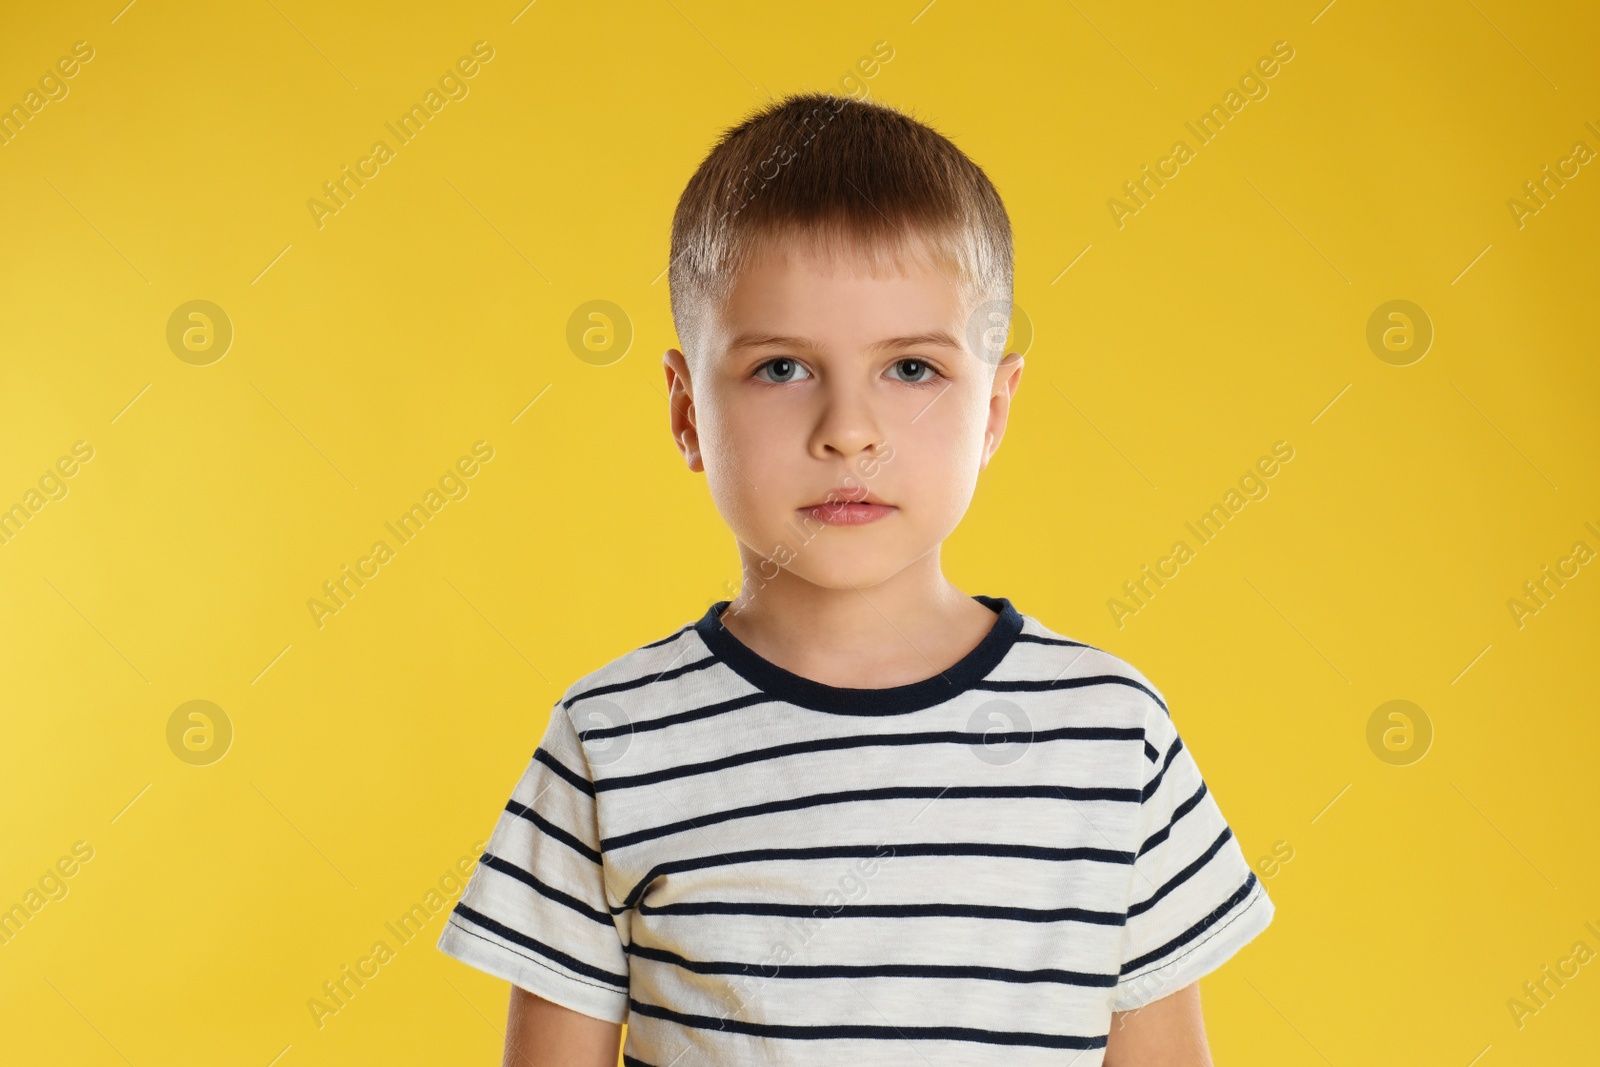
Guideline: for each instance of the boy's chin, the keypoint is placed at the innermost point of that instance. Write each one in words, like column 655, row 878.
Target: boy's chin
column 854, row 571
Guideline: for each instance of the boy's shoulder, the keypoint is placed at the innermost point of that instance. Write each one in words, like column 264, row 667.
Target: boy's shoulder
column 673, row 655
column 1074, row 664
column 1039, row 659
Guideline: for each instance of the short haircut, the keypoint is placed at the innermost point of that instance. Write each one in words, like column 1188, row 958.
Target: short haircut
column 844, row 175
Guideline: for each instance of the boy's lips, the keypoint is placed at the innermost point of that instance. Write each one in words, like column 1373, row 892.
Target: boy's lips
column 848, row 507
column 841, row 495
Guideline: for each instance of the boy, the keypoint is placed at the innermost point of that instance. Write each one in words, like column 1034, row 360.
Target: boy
column 854, row 816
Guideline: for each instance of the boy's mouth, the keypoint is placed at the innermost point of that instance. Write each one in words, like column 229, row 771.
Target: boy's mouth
column 848, row 507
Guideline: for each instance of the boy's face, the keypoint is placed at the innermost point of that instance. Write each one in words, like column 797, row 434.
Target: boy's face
column 820, row 383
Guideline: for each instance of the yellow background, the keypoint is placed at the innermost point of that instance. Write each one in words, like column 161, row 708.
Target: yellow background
column 1230, row 313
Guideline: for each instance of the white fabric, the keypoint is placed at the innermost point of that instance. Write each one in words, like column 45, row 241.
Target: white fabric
column 982, row 867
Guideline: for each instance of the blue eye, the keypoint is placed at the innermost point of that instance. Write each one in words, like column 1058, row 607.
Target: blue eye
column 917, row 367
column 784, row 369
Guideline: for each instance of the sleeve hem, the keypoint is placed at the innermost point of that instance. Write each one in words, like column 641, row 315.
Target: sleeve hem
column 1200, row 959
column 502, row 961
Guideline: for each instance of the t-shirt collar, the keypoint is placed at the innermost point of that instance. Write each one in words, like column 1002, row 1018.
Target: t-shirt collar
column 794, row 689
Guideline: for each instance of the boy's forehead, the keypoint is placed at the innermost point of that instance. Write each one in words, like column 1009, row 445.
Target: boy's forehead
column 796, row 292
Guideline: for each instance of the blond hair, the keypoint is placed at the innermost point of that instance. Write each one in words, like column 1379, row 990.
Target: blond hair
column 842, row 175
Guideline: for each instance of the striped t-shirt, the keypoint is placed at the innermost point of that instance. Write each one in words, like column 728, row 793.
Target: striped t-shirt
column 747, row 866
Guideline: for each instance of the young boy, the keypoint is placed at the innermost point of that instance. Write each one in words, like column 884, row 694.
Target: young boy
column 854, row 816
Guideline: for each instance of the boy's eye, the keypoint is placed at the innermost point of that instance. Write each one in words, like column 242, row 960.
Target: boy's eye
column 783, row 370
column 914, row 369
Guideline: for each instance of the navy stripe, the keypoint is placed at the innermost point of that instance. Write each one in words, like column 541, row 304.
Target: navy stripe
column 870, row 1033
column 639, row 683
column 577, row 780
column 1054, row 975
column 1183, row 875
column 912, row 848
column 889, row 911
column 721, row 707
column 1040, row 639
column 517, row 937
column 1155, row 783
column 679, row 632
column 851, row 796
column 1177, row 813
column 1197, row 929
column 1026, row 685
column 550, row 828
column 505, row 867
column 795, row 795
column 834, row 744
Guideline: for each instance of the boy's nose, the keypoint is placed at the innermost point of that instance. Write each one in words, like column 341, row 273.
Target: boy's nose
column 847, row 426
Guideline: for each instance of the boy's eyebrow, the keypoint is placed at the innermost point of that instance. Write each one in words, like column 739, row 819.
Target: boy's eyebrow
column 939, row 338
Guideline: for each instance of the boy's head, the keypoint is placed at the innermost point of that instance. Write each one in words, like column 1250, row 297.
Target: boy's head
column 841, row 280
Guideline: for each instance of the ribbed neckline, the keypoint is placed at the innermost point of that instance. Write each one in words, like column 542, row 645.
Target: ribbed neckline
column 804, row 692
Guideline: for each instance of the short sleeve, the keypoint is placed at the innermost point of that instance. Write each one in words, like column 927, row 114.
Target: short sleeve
column 535, row 912
column 1193, row 901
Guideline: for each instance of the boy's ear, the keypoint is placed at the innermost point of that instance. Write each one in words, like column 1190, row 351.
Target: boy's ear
column 680, row 400
column 1007, row 376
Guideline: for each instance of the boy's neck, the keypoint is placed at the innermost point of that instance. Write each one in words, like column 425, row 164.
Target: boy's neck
column 911, row 626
